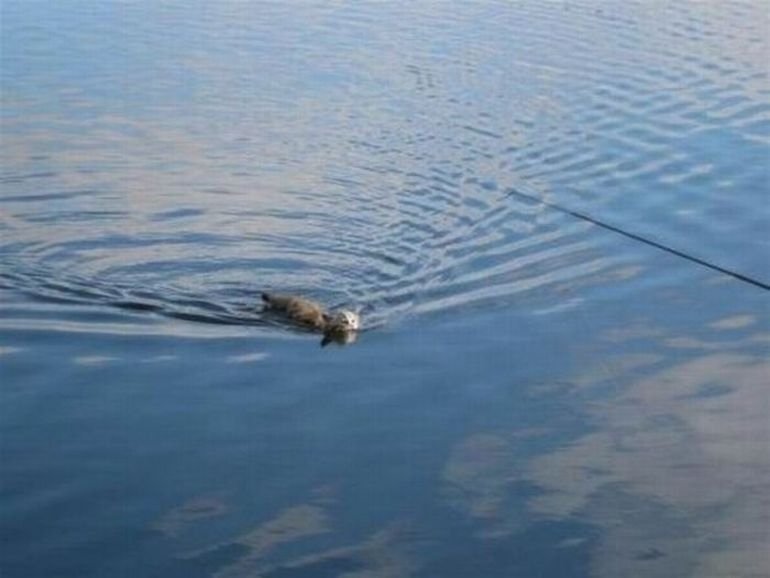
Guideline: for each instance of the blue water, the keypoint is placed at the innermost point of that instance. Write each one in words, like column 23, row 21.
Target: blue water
column 532, row 394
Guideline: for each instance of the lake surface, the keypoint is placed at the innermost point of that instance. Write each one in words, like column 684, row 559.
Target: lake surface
column 533, row 394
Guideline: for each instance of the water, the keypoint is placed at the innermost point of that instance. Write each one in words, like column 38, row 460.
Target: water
column 532, row 395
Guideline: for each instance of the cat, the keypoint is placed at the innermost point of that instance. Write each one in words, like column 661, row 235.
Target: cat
column 339, row 326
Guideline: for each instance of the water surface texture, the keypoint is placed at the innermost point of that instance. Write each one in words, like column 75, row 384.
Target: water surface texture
column 533, row 395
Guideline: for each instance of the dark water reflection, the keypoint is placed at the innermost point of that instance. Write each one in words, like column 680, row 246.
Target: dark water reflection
column 533, row 395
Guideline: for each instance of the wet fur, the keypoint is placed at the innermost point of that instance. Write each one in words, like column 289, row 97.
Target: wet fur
column 299, row 310
column 336, row 328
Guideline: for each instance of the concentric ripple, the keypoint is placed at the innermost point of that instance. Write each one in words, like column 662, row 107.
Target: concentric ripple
column 362, row 154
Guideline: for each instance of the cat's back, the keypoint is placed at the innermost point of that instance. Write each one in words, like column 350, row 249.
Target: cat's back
column 296, row 308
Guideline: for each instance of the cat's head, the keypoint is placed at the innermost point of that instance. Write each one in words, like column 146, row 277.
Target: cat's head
column 345, row 320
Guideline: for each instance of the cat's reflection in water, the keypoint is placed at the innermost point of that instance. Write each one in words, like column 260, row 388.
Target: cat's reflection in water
column 339, row 337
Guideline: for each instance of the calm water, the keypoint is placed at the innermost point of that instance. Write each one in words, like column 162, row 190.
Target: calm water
column 533, row 395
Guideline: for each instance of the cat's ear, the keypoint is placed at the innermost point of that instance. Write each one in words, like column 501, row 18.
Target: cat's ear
column 327, row 318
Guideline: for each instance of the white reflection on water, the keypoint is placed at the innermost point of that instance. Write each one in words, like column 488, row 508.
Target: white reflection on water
column 248, row 357
column 675, row 468
column 679, row 464
column 178, row 519
column 383, row 554
column 94, row 359
column 9, row 350
column 734, row 322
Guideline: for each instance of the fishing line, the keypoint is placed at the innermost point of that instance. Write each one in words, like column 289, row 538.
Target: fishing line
column 634, row 236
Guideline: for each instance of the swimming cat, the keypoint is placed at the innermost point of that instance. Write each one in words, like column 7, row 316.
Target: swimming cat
column 339, row 326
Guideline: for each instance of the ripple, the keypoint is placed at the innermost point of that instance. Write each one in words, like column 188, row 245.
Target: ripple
column 362, row 155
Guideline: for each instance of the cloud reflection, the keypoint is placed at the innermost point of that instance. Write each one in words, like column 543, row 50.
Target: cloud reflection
column 673, row 461
column 380, row 555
